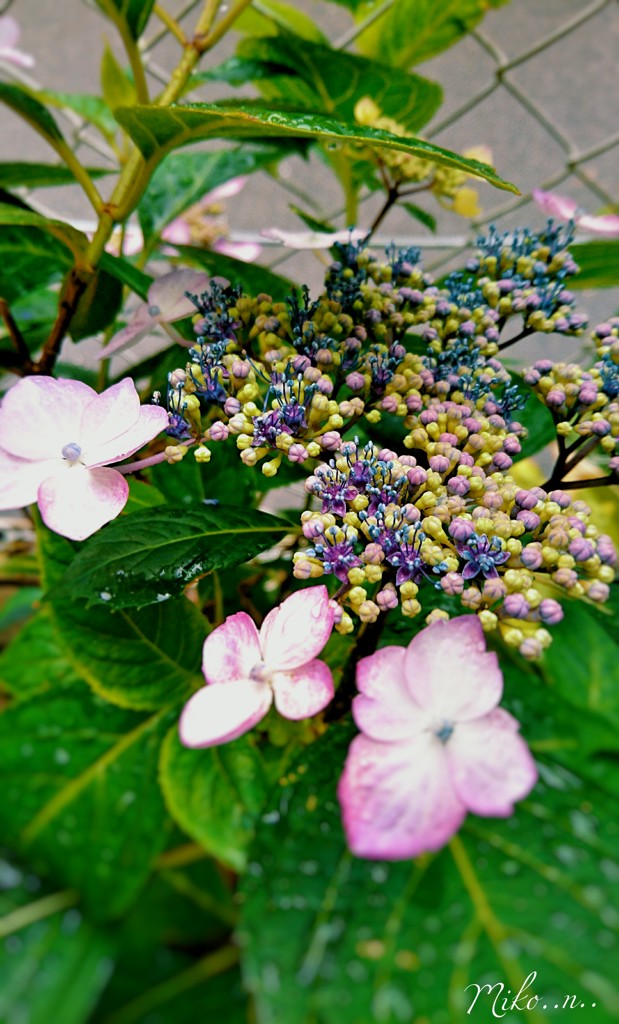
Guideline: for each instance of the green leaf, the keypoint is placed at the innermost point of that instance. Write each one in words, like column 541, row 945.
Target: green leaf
column 421, row 215
column 22, row 102
column 120, row 268
column 76, row 241
column 19, row 606
column 22, row 173
column 80, row 793
column 135, row 13
column 118, row 90
column 92, row 108
column 436, row 28
column 56, row 959
column 215, row 795
column 323, row 79
column 29, row 258
column 183, row 179
column 598, row 262
column 330, row 938
column 252, row 277
column 267, row 17
column 582, row 662
column 156, row 130
column 98, row 305
column 35, row 661
column 150, row 556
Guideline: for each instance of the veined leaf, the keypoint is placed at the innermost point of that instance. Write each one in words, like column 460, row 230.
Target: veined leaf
column 328, row 937
column 35, row 661
column 73, row 239
column 156, row 130
column 323, row 79
column 120, row 268
column 92, row 108
column 151, row 556
column 215, row 795
column 18, row 173
column 98, row 305
column 29, row 258
column 268, row 17
column 80, row 792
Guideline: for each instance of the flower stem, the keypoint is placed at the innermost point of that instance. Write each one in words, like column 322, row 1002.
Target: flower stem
column 367, row 642
column 37, row 911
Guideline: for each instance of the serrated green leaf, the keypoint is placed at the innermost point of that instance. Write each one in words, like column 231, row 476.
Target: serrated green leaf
column 81, row 795
column 215, row 795
column 29, row 258
column 58, row 959
column 22, row 173
column 135, row 13
column 22, row 102
column 183, row 179
column 92, row 108
column 436, row 28
column 150, row 556
column 156, row 131
column 35, row 661
column 598, row 262
column 252, row 277
column 76, row 241
column 508, row 897
column 332, row 81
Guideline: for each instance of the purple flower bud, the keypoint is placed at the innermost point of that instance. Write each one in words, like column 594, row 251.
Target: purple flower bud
column 390, row 403
column 461, row 530
column 240, row 369
column 512, row 445
column 297, row 453
column 581, row 549
column 530, row 648
column 531, row 556
column 331, row 441
column 313, row 528
column 550, row 611
column 232, row 406
column 555, row 398
column 526, row 499
column 439, row 463
column 606, row 549
column 560, row 498
column 598, row 591
column 516, row 606
column 417, row 476
column 452, row 583
column 218, row 431
column 459, row 485
column 502, row 461
column 588, row 394
column 530, row 519
column 355, row 381
column 600, row 428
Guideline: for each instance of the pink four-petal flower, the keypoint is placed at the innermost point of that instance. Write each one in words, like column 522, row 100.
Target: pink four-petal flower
column 434, row 744
column 567, row 209
column 166, row 303
column 246, row 670
column 57, row 440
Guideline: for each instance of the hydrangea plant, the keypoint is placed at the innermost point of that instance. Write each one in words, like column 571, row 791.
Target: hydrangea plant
column 311, row 714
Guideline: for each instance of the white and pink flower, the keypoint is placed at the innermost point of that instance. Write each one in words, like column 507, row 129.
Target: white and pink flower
column 9, row 38
column 247, row 670
column 57, row 441
column 434, row 744
column 166, row 302
column 564, row 208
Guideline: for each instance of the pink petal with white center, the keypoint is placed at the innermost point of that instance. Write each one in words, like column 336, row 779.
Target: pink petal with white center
column 450, row 673
column 385, row 709
column 245, row 251
column 232, row 650
column 296, row 631
column 20, row 479
column 142, row 322
column 219, row 713
column 111, row 413
column 313, row 239
column 397, row 799
column 76, row 502
column 304, row 691
column 491, row 765
column 40, row 415
column 606, row 224
column 555, row 205
column 167, row 294
column 151, row 421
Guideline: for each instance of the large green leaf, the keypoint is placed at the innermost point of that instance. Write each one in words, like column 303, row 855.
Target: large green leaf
column 29, row 258
column 134, row 13
column 124, row 271
column 329, row 938
column 156, row 130
column 92, row 108
column 183, row 179
column 76, row 241
column 252, row 277
column 150, row 556
column 24, row 103
column 323, row 79
column 35, row 661
column 57, row 960
column 80, row 793
column 98, row 305
column 598, row 262
column 268, row 17
column 538, row 420
column 215, row 795
column 411, row 31
column 22, row 173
